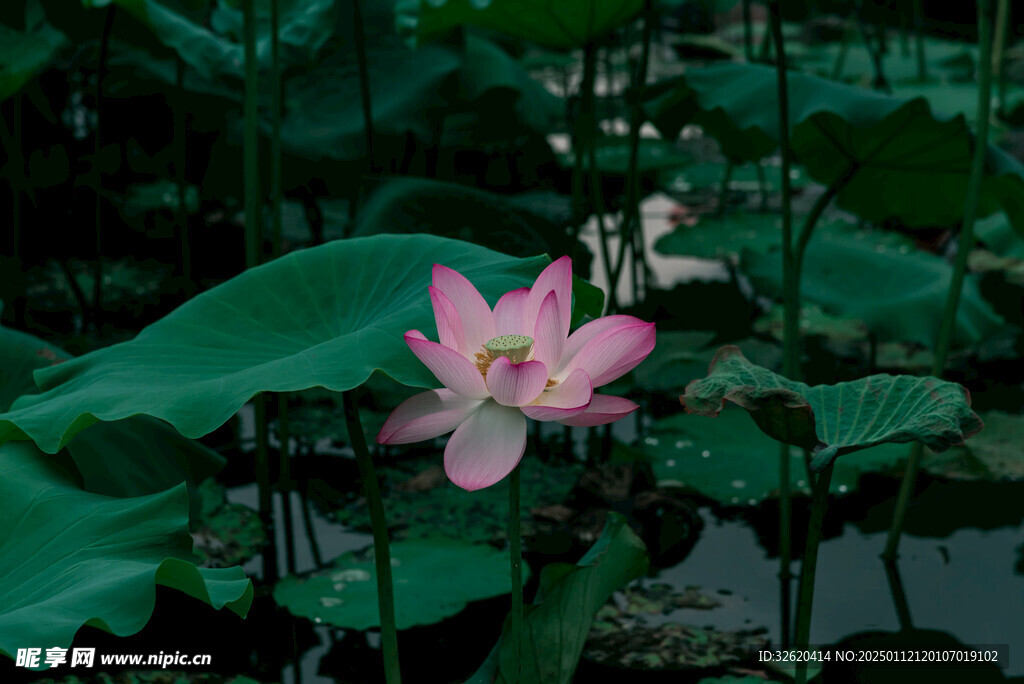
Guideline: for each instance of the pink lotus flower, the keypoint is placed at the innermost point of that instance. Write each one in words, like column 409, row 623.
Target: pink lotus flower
column 500, row 367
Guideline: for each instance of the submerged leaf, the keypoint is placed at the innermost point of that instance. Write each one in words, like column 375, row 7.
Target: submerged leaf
column 72, row 557
column 832, row 420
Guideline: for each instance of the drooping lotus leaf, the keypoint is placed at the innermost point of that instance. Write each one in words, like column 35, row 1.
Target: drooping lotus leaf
column 832, row 420
column 556, row 626
column 73, row 558
column 329, row 316
column 24, row 54
column 107, row 455
column 556, row 24
column 731, row 461
column 902, row 161
column 324, row 115
column 434, row 578
column 898, row 291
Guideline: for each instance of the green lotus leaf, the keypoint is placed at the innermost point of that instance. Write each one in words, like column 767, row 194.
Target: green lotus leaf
column 732, row 462
column 556, row 626
column 328, row 316
column 107, row 455
column 814, row 322
column 434, row 578
column 898, row 291
column 832, row 420
column 73, row 558
column 560, row 25
column 897, row 160
column 27, row 53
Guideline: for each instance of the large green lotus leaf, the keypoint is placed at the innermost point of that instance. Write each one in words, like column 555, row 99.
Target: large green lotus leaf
column 907, row 163
column 556, row 626
column 434, row 578
column 327, row 316
column 898, row 291
column 24, row 54
column 832, row 420
column 20, row 355
column 728, row 459
column 107, row 455
column 323, row 111
column 557, row 24
column 73, row 558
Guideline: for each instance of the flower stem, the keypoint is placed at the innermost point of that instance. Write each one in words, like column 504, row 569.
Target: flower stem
column 253, row 237
column 791, row 303
column 632, row 216
column 275, row 127
column 364, row 80
column 819, row 501
column 516, row 553
column 381, row 544
column 964, row 245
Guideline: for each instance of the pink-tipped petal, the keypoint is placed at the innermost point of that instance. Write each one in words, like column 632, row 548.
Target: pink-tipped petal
column 425, row 416
column 454, row 370
column 557, row 278
column 613, row 353
column 508, row 313
column 579, row 339
column 486, row 447
column 603, row 409
column 568, row 398
column 449, row 325
column 476, row 317
column 515, row 384
column 548, row 338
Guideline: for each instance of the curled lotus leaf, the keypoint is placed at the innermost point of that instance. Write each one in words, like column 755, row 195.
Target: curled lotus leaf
column 832, row 420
